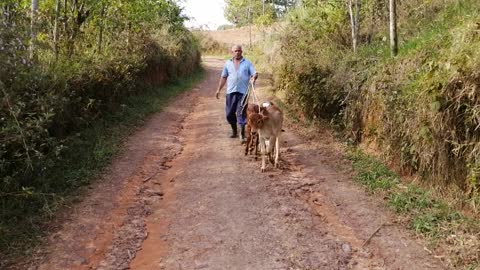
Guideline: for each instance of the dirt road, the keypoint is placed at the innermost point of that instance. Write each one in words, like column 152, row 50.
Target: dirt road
column 183, row 196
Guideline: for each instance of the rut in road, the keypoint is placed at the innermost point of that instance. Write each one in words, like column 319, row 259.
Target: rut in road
column 184, row 196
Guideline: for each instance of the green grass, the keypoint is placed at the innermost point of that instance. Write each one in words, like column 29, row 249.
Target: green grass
column 21, row 223
column 425, row 213
column 373, row 174
column 413, row 199
column 436, row 34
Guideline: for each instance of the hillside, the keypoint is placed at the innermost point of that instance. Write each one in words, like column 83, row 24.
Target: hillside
column 239, row 35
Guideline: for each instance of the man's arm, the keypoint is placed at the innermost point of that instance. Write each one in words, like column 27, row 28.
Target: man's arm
column 221, row 84
column 254, row 78
column 254, row 73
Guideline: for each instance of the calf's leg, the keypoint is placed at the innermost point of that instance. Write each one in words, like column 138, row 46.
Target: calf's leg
column 277, row 151
column 249, row 140
column 263, row 152
column 255, row 147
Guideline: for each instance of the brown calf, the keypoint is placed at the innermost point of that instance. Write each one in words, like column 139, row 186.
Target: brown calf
column 252, row 138
column 268, row 123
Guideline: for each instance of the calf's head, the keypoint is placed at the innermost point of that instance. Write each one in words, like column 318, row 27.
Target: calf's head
column 256, row 121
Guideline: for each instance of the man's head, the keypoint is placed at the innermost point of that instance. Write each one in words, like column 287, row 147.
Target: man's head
column 237, row 51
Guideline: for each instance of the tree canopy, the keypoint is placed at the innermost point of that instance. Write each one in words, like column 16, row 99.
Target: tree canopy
column 243, row 12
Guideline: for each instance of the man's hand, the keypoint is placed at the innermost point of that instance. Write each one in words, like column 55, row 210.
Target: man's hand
column 222, row 82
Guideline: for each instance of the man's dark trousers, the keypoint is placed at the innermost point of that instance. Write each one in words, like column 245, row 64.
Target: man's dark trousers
column 233, row 110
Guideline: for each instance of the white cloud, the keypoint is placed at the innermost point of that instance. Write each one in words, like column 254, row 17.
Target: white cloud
column 205, row 13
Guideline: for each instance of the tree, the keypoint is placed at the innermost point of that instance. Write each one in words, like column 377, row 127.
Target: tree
column 55, row 28
column 354, row 7
column 238, row 11
column 393, row 28
column 33, row 27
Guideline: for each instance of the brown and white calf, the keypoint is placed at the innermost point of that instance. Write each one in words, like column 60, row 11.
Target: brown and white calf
column 268, row 123
column 252, row 138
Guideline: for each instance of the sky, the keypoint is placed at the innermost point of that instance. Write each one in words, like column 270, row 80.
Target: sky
column 204, row 13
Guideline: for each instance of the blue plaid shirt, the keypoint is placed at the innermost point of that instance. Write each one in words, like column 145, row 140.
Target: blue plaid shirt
column 238, row 80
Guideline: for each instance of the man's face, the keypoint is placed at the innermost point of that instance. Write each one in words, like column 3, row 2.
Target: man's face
column 237, row 52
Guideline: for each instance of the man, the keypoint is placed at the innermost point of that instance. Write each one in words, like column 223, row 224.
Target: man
column 238, row 72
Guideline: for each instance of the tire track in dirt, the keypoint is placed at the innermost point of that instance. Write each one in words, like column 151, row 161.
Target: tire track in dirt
column 348, row 211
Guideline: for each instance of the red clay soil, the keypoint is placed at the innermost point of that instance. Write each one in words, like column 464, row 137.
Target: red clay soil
column 184, row 196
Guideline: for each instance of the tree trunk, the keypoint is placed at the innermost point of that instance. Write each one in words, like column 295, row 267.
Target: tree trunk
column 79, row 16
column 354, row 12
column 65, row 16
column 33, row 28
column 358, row 5
column 73, row 28
column 129, row 33
column 55, row 28
column 393, row 28
column 100, row 34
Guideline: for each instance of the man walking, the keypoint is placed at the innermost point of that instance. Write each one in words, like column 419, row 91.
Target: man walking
column 237, row 73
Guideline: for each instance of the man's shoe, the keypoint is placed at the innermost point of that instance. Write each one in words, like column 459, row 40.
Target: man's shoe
column 234, row 131
column 243, row 139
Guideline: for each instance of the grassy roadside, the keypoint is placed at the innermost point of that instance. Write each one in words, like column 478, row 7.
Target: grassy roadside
column 21, row 228
column 447, row 231
column 427, row 214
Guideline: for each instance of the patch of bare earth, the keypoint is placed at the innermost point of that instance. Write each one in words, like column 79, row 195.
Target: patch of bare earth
column 183, row 196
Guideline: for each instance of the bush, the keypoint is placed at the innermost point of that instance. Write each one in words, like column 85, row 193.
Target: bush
column 420, row 109
column 308, row 59
column 47, row 100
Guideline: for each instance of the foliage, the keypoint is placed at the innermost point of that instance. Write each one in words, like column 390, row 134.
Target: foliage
column 94, row 146
column 264, row 19
column 302, row 73
column 209, row 45
column 260, row 12
column 51, row 92
column 421, row 107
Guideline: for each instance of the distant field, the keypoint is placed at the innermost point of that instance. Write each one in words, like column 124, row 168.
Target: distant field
column 241, row 35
